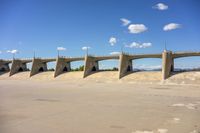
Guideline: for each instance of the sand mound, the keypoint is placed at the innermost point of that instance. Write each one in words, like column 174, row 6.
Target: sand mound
column 110, row 76
column 185, row 78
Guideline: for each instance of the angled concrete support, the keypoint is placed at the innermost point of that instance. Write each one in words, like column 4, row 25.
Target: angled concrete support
column 17, row 66
column 91, row 65
column 4, row 66
column 167, row 64
column 62, row 65
column 125, row 65
column 38, row 66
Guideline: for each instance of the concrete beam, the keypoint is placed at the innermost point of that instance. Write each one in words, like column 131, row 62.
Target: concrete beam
column 91, row 65
column 167, row 64
column 18, row 66
column 39, row 65
column 125, row 65
column 62, row 65
column 4, row 66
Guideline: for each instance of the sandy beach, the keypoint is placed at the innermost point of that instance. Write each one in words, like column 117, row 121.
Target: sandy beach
column 100, row 103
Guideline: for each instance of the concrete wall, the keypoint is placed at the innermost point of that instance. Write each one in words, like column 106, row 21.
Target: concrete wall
column 61, row 64
column 37, row 65
column 167, row 64
column 4, row 67
column 125, row 65
column 90, row 64
column 17, row 66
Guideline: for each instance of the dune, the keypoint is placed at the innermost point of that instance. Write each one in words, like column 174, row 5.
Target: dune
column 148, row 77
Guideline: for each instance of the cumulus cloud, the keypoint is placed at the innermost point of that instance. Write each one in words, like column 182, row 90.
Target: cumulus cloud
column 61, row 48
column 85, row 48
column 171, row 26
column 137, row 28
column 112, row 41
column 14, row 51
column 160, row 6
column 115, row 53
column 139, row 45
column 125, row 21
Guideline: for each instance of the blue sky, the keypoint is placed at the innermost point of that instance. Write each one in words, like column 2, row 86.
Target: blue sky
column 44, row 25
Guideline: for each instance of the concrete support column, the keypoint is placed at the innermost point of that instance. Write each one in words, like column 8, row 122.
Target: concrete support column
column 4, row 67
column 167, row 64
column 62, row 65
column 17, row 66
column 38, row 66
column 91, row 65
column 125, row 65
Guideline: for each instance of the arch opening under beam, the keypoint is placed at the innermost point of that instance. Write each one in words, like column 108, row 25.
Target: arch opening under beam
column 188, row 63
column 147, row 64
column 77, row 65
column 108, row 65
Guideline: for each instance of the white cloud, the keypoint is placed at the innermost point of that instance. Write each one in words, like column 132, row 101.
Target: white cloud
column 61, row 48
column 125, row 21
column 160, row 6
column 138, row 45
column 137, row 28
column 0, row 52
column 85, row 48
column 14, row 51
column 115, row 53
column 112, row 41
column 171, row 26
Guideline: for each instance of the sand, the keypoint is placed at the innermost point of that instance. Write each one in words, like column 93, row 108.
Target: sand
column 100, row 103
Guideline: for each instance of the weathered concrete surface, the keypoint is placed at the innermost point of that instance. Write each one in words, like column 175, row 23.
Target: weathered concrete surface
column 40, row 65
column 125, row 65
column 91, row 65
column 62, row 65
column 4, row 65
column 18, row 66
column 167, row 64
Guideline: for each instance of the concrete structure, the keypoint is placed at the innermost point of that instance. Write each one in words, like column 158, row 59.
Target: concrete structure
column 4, row 65
column 92, row 65
column 40, row 65
column 63, row 64
column 126, row 62
column 168, row 61
column 19, row 65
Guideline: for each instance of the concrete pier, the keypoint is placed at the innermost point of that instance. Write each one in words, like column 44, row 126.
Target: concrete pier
column 63, row 64
column 4, row 65
column 40, row 65
column 91, row 65
column 167, row 64
column 18, row 66
column 125, row 65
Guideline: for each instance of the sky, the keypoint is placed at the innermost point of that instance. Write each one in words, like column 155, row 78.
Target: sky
column 104, row 27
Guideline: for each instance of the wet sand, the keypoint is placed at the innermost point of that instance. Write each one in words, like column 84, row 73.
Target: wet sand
column 70, row 104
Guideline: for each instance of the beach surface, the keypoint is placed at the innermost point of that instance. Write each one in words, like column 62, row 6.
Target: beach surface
column 100, row 103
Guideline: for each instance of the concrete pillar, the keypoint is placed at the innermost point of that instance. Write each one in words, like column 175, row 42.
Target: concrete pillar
column 38, row 66
column 4, row 67
column 62, row 65
column 91, row 65
column 17, row 66
column 167, row 64
column 125, row 65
